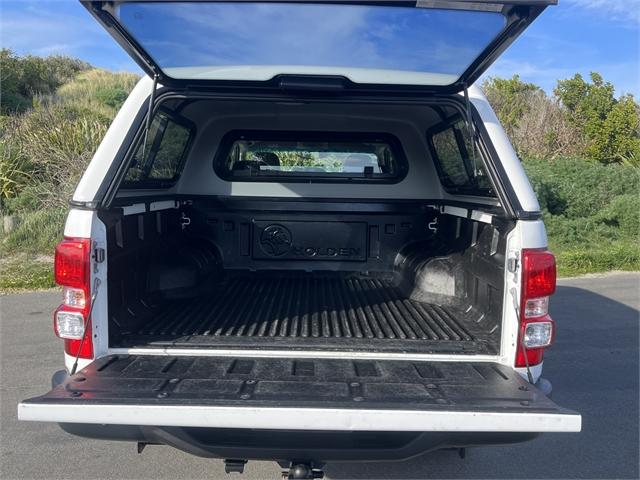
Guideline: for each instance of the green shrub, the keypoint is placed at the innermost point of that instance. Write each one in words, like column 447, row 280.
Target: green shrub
column 44, row 151
column 27, row 200
column 113, row 97
column 22, row 78
column 571, row 232
column 14, row 165
column 623, row 213
column 592, row 213
column 578, row 188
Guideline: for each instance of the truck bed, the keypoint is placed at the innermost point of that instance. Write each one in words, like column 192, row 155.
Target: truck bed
column 307, row 311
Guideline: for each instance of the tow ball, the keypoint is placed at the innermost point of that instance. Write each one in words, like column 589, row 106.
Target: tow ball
column 292, row 471
column 301, row 471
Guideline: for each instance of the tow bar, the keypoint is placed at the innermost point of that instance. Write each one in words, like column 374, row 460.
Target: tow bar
column 301, row 471
column 292, row 470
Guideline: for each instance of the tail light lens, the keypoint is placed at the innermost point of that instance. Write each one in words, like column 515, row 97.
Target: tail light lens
column 71, row 319
column 537, row 329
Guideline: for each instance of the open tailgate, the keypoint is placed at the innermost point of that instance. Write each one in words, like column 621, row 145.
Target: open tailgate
column 427, row 45
column 300, row 394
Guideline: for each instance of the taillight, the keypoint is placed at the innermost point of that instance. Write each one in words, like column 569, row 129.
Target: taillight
column 537, row 329
column 71, row 320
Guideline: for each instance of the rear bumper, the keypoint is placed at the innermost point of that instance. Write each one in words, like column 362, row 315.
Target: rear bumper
column 317, row 446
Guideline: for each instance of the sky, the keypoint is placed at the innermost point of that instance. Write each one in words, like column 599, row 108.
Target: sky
column 577, row 36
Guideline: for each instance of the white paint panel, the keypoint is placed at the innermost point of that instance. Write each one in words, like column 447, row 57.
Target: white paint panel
column 532, row 234
column 78, row 223
column 301, row 418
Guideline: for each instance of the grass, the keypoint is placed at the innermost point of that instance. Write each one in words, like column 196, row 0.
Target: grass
column 574, row 261
column 27, row 252
column 36, row 233
column 22, row 272
column 98, row 91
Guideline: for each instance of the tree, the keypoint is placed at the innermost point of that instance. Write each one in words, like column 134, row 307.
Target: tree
column 618, row 139
column 535, row 122
column 509, row 99
column 583, row 118
column 544, row 131
column 610, row 127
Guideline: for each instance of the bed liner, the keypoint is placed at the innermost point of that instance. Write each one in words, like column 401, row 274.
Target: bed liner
column 314, row 311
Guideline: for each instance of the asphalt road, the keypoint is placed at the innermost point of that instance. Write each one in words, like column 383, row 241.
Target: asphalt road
column 593, row 367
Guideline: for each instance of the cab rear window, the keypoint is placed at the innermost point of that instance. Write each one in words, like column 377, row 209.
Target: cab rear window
column 310, row 156
column 160, row 155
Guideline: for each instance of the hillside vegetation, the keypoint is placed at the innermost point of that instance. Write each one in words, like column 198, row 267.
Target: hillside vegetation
column 581, row 149
column 55, row 111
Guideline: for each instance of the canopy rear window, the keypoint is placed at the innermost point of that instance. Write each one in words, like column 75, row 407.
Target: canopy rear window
column 310, row 156
column 374, row 44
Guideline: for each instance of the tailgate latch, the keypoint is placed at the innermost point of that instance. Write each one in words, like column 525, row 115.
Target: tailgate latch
column 98, row 255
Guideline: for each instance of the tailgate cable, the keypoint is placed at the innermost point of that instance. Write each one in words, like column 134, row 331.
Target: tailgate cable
column 96, row 285
column 524, row 348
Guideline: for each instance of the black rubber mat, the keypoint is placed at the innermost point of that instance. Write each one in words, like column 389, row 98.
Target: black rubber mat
column 307, row 307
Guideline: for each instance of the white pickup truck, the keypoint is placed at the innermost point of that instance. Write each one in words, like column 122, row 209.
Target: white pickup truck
column 306, row 238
